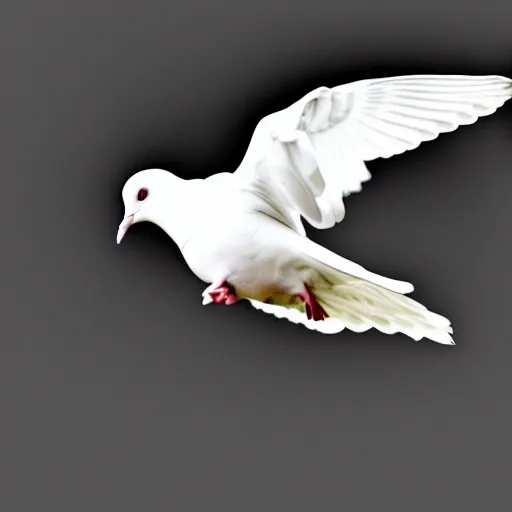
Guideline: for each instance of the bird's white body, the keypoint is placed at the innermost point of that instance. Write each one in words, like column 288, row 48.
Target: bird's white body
column 231, row 246
column 231, row 239
column 243, row 232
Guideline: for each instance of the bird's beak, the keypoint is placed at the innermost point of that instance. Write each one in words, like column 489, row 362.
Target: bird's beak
column 123, row 227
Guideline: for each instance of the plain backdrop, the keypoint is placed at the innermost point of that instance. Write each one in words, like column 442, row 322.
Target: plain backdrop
column 119, row 391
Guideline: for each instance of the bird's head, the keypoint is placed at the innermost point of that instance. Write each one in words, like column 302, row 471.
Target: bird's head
column 143, row 196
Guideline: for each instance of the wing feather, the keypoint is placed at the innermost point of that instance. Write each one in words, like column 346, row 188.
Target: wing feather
column 320, row 144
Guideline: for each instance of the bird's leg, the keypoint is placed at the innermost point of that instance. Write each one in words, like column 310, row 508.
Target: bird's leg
column 313, row 309
column 220, row 292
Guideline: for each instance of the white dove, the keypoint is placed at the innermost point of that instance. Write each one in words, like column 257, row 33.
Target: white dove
column 242, row 232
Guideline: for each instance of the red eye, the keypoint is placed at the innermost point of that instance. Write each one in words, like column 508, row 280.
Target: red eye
column 143, row 193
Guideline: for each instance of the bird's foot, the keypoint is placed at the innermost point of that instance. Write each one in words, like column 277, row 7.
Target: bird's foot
column 314, row 310
column 220, row 292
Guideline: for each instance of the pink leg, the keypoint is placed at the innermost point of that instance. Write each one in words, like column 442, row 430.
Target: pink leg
column 223, row 293
column 313, row 309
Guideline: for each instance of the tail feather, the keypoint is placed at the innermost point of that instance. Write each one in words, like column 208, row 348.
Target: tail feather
column 373, row 306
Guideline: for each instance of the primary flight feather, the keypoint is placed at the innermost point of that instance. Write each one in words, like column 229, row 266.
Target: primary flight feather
column 242, row 232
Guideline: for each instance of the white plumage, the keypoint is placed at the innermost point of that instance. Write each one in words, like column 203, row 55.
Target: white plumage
column 243, row 232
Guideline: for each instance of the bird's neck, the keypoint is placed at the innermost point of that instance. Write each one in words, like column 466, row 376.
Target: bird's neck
column 178, row 211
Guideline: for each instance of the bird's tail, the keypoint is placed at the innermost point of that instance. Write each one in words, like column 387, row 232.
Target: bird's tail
column 359, row 304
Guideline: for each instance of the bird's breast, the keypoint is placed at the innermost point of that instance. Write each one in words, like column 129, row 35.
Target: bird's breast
column 246, row 250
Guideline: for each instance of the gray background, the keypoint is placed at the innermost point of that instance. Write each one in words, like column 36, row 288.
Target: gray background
column 119, row 390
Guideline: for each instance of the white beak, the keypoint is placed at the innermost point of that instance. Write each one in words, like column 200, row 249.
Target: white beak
column 123, row 227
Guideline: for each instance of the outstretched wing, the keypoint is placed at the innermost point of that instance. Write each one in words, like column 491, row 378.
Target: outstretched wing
column 303, row 160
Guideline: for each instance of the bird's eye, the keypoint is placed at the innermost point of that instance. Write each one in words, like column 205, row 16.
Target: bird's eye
column 142, row 194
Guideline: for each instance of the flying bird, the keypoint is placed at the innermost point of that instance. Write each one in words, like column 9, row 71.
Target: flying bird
column 242, row 233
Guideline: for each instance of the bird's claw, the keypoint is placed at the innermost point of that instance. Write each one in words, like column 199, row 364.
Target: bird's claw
column 314, row 311
column 220, row 293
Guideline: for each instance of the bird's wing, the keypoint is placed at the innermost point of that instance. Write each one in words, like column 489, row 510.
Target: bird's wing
column 306, row 158
column 355, row 298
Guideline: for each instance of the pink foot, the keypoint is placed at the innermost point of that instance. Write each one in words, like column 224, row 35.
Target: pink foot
column 313, row 309
column 222, row 293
